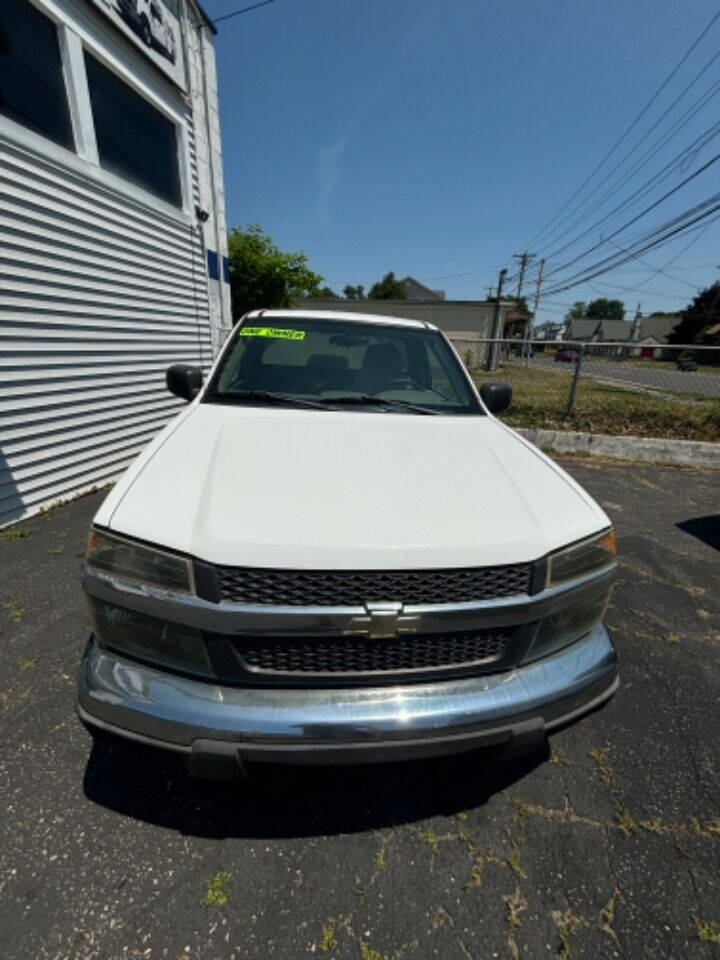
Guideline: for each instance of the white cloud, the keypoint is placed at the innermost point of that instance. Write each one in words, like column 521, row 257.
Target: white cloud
column 328, row 176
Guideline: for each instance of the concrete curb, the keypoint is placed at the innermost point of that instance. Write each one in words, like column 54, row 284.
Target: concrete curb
column 649, row 449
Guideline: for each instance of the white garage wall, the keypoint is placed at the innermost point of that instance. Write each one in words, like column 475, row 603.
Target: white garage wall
column 101, row 289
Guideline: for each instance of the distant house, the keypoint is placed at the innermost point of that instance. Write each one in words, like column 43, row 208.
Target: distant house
column 548, row 331
column 598, row 331
column 647, row 336
column 414, row 290
column 659, row 326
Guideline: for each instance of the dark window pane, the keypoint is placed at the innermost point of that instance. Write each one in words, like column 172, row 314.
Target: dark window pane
column 32, row 88
column 134, row 139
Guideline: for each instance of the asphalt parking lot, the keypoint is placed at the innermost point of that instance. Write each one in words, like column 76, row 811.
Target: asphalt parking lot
column 606, row 845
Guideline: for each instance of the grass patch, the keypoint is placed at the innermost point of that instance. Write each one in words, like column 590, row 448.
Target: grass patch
column 600, row 756
column 16, row 533
column 328, row 940
column 432, row 839
column 625, row 821
column 540, row 400
column 707, row 932
column 513, row 860
column 27, row 663
column 218, row 891
column 369, row 953
column 14, row 611
column 559, row 758
column 567, row 924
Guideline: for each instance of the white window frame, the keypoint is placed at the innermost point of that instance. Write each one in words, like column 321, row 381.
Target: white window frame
column 79, row 31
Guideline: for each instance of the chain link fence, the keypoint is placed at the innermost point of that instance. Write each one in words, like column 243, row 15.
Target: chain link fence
column 649, row 390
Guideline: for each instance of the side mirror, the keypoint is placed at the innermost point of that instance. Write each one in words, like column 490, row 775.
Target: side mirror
column 496, row 395
column 184, row 381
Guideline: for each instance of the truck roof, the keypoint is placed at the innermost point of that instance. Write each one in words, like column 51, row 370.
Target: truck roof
column 345, row 315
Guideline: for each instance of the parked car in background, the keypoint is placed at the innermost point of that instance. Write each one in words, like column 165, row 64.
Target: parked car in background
column 566, row 355
column 686, row 363
column 358, row 561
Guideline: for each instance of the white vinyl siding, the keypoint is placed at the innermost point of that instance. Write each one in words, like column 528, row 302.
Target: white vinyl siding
column 99, row 295
column 102, row 284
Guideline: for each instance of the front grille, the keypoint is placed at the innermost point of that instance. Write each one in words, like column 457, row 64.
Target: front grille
column 352, row 656
column 357, row 587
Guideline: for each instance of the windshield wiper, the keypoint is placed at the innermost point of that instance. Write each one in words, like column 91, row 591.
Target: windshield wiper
column 369, row 400
column 265, row 396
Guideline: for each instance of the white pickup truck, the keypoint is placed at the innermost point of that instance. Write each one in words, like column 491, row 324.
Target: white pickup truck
column 337, row 554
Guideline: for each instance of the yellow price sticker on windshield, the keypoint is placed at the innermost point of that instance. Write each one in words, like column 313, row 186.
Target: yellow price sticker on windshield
column 277, row 332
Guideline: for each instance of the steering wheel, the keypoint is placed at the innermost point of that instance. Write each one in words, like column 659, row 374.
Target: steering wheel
column 406, row 382
column 400, row 383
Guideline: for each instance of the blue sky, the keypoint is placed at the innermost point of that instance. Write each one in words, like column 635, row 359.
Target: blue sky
column 436, row 137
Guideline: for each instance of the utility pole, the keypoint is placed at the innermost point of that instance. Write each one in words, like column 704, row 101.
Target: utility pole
column 531, row 321
column 524, row 259
column 635, row 330
column 491, row 362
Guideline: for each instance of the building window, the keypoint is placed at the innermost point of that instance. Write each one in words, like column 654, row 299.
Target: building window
column 32, row 88
column 134, row 140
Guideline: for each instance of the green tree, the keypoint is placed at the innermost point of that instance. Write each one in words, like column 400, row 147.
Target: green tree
column 354, row 293
column 577, row 311
column 604, row 309
column 326, row 293
column 262, row 275
column 389, row 288
column 703, row 312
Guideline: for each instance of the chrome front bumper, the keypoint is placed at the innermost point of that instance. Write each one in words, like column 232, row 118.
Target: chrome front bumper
column 219, row 727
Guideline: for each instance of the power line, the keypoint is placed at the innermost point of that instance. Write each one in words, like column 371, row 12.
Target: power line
column 652, row 240
column 236, row 13
column 638, row 216
column 661, row 175
column 648, row 237
column 650, row 293
column 651, row 152
column 634, row 123
column 663, row 270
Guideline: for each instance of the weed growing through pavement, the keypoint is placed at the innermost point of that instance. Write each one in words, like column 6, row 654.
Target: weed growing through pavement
column 18, row 533
column 600, row 756
column 707, row 932
column 328, row 940
column 14, row 611
column 218, row 891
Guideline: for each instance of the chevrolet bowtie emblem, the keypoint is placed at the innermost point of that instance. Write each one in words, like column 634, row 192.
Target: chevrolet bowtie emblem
column 382, row 621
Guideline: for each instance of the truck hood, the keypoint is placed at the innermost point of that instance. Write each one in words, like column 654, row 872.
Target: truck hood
column 293, row 488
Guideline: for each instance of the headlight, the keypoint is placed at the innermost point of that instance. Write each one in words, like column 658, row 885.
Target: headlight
column 582, row 558
column 136, row 562
column 138, row 635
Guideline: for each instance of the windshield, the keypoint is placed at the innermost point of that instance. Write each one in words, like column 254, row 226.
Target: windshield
column 330, row 364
